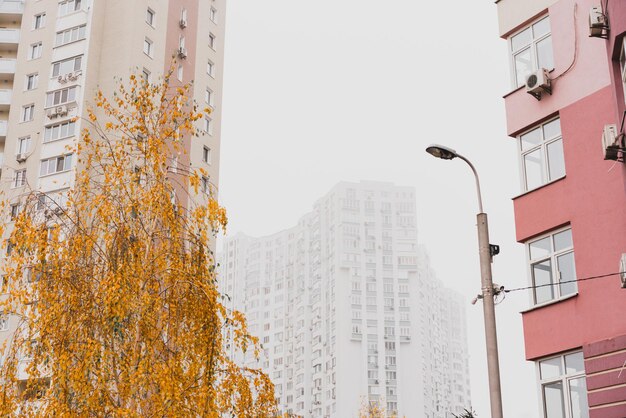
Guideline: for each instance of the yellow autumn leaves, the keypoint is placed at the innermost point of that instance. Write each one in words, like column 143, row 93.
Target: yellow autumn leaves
column 112, row 289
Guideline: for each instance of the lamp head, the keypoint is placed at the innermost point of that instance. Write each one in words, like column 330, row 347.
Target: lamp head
column 442, row 152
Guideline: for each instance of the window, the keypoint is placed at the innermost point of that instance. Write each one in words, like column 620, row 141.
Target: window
column 69, row 6
column 211, row 41
column 28, row 113
column 59, row 131
column 208, row 125
column 531, row 49
column 563, row 386
column 4, row 322
column 213, row 15
column 35, row 51
column 210, row 69
column 32, row 80
column 205, row 186
column 70, row 35
column 147, row 47
column 181, row 41
column 150, row 17
column 183, row 17
column 19, row 178
column 39, row 21
column 206, row 154
column 622, row 62
column 15, row 210
column 23, row 145
column 179, row 72
column 541, row 151
column 145, row 75
column 59, row 97
column 552, row 266
column 209, row 97
column 67, row 66
column 55, row 165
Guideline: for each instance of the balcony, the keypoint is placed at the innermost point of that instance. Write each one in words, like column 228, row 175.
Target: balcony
column 7, row 66
column 9, row 38
column 11, row 9
column 3, row 129
column 5, row 99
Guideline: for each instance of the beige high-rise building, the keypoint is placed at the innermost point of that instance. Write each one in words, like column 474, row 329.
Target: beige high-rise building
column 55, row 55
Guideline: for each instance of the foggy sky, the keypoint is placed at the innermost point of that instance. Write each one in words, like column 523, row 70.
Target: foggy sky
column 318, row 92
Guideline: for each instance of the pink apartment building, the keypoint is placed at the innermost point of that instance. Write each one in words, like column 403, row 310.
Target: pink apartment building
column 570, row 55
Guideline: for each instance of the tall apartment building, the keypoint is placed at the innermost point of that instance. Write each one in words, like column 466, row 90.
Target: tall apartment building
column 571, row 213
column 348, row 310
column 54, row 55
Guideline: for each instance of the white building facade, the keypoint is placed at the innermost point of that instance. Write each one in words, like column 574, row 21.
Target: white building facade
column 348, row 310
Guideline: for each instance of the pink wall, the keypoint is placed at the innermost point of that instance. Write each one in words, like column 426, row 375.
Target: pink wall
column 592, row 196
column 589, row 74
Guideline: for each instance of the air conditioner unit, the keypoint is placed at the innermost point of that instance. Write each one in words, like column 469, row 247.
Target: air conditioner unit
column 182, row 52
column 73, row 76
column 538, row 82
column 61, row 110
column 52, row 113
column 598, row 23
column 622, row 269
column 62, row 79
column 182, row 23
column 610, row 142
column 20, row 158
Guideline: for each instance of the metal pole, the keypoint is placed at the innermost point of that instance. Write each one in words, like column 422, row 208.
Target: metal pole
column 491, row 339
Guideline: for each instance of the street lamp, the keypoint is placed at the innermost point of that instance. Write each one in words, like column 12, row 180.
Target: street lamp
column 486, row 252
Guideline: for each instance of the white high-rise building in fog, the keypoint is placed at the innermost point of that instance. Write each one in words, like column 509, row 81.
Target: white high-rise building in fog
column 348, row 310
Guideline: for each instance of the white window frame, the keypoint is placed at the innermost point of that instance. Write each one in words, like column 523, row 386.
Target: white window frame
column 23, row 145
column 69, row 6
column 59, row 66
column 208, row 125
column 180, row 72
column 71, row 95
column 533, row 50
column 565, row 380
column 19, row 179
column 206, row 154
column 28, row 113
column 39, row 20
column 66, row 161
column 212, row 40
column 150, row 15
column 35, row 51
column 213, row 15
column 553, row 257
column 210, row 68
column 50, row 128
column 146, row 75
column 75, row 34
column 543, row 146
column 34, row 77
column 148, row 47
column 209, row 97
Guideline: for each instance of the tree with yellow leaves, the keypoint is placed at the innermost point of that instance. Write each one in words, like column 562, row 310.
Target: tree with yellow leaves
column 114, row 291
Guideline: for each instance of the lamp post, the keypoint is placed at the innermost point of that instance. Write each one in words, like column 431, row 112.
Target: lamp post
column 486, row 252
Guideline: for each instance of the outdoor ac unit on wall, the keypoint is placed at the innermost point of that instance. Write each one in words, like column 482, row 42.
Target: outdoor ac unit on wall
column 538, row 83
column 598, row 23
column 610, row 142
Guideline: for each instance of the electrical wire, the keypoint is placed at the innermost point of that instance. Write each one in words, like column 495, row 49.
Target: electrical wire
column 602, row 276
column 575, row 45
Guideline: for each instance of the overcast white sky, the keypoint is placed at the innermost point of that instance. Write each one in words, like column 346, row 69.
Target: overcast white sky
column 317, row 92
